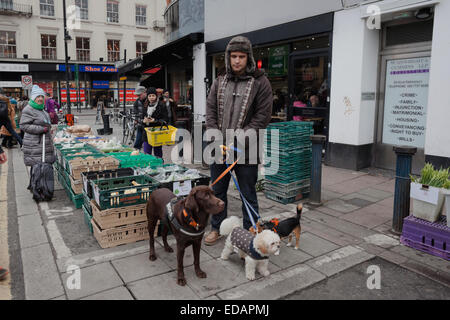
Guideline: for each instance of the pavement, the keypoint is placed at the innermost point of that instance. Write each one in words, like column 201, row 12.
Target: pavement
column 49, row 249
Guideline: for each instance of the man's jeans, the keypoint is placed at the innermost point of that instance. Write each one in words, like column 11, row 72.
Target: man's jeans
column 247, row 176
column 138, row 142
column 8, row 126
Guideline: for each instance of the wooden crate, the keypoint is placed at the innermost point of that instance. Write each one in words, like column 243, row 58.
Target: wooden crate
column 116, row 217
column 77, row 185
column 117, row 236
column 78, row 166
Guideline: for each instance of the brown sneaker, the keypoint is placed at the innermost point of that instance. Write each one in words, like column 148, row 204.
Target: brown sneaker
column 211, row 238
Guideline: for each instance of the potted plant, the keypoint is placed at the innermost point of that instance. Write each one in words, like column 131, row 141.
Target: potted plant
column 428, row 192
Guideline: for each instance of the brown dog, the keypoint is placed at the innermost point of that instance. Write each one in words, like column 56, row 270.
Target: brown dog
column 187, row 223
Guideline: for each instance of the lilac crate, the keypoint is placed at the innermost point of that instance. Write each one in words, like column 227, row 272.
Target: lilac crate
column 430, row 237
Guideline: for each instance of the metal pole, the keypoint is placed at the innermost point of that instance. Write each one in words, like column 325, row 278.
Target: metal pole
column 124, row 92
column 402, row 186
column 316, row 169
column 66, row 58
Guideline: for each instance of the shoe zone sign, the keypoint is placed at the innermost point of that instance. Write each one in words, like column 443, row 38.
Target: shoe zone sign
column 85, row 68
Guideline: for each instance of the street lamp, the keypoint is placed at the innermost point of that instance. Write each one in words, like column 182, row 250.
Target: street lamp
column 67, row 38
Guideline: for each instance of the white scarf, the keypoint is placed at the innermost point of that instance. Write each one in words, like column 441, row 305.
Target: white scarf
column 151, row 109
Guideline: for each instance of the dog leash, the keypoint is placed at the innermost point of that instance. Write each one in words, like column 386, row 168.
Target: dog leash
column 247, row 205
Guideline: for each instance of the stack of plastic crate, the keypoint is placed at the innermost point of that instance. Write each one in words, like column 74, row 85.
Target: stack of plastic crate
column 288, row 162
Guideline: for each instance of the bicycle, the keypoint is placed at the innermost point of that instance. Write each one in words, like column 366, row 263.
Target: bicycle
column 131, row 123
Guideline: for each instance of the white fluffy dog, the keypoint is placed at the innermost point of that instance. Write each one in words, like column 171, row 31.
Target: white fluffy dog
column 254, row 248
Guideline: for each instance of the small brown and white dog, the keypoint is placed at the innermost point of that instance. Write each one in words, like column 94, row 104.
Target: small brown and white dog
column 255, row 249
column 284, row 228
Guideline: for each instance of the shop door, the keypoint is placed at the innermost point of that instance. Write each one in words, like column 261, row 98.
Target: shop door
column 402, row 109
column 309, row 90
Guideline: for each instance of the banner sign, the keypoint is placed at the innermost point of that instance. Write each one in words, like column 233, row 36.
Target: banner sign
column 84, row 68
column 100, row 84
column 405, row 102
column 131, row 97
column 73, row 95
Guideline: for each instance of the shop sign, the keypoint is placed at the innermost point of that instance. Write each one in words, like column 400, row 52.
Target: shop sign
column 278, row 60
column 405, row 103
column 13, row 67
column 131, row 97
column 100, row 84
column 97, row 69
column 10, row 84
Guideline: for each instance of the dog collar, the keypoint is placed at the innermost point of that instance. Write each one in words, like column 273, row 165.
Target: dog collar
column 176, row 224
column 255, row 254
column 192, row 222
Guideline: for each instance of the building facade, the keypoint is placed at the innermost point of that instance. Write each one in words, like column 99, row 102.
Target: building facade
column 32, row 43
column 369, row 74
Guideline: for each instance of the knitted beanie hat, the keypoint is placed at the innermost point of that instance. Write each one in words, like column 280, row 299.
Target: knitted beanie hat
column 36, row 91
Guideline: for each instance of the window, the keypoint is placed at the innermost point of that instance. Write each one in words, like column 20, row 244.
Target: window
column 47, row 8
column 141, row 48
column 48, row 46
column 83, row 49
column 83, row 5
column 7, row 44
column 141, row 15
column 113, row 50
column 6, row 4
column 112, row 11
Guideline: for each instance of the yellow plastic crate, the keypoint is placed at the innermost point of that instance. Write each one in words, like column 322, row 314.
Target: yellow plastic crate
column 162, row 137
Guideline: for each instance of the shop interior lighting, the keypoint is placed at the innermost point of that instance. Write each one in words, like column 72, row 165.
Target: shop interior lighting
column 424, row 13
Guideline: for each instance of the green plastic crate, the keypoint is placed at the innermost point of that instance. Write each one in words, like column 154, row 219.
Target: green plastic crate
column 77, row 199
column 140, row 161
column 115, row 192
column 88, row 218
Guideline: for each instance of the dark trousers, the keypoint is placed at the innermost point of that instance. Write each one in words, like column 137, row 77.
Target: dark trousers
column 138, row 141
column 148, row 150
column 247, row 176
column 8, row 126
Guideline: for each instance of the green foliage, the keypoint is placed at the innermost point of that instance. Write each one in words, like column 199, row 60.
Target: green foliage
column 432, row 177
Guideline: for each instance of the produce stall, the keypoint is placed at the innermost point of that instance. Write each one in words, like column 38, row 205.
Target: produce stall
column 112, row 183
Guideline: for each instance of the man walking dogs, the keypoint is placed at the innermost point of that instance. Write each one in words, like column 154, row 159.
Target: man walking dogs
column 239, row 99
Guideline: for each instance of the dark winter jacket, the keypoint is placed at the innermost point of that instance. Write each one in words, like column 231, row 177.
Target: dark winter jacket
column 33, row 123
column 246, row 101
column 138, row 109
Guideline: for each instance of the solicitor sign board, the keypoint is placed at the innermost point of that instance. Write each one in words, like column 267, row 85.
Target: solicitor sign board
column 405, row 102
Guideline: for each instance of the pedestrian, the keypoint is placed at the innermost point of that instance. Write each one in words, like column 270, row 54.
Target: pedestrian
column 3, row 158
column 20, row 106
column 51, row 106
column 138, row 111
column 239, row 99
column 6, row 124
column 159, row 94
column 156, row 113
column 35, row 122
column 171, row 107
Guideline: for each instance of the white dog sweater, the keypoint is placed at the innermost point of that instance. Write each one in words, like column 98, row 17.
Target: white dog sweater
column 243, row 239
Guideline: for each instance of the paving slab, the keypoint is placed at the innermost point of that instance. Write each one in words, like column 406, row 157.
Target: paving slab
column 359, row 183
column 341, row 206
column 388, row 202
column 332, row 176
column 31, row 231
column 120, row 293
column 393, row 257
column 139, row 267
column 275, row 286
column 375, row 193
column 162, row 287
column 26, row 205
column 313, row 245
column 332, row 235
column 388, row 186
column 339, row 260
column 327, row 195
column 41, row 276
column 341, row 225
column 215, row 250
column 422, row 257
column 329, row 211
column 60, row 298
column 370, row 216
column 289, row 257
column 94, row 279
column 170, row 258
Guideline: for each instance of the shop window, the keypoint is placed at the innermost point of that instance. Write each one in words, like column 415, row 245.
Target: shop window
column 48, row 46
column 141, row 15
column 113, row 50
column 83, row 49
column 6, row 4
column 141, row 48
column 112, row 11
column 8, row 44
column 47, row 8
column 83, row 5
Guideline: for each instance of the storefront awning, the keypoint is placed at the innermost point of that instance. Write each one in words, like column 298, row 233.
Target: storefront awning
column 171, row 52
